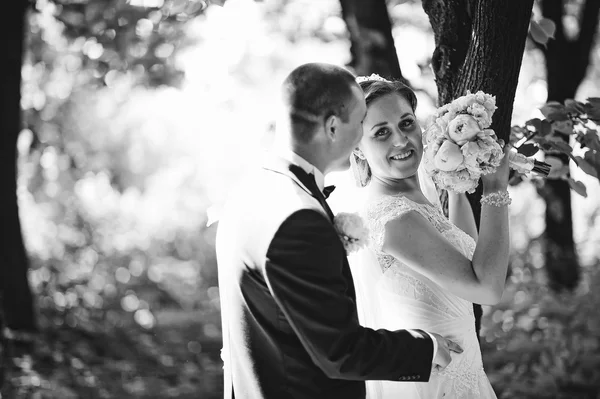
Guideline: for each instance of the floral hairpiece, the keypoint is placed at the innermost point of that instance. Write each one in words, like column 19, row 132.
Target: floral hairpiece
column 373, row 77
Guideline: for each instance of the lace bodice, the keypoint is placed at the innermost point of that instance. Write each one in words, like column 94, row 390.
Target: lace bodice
column 384, row 209
column 417, row 302
column 406, row 281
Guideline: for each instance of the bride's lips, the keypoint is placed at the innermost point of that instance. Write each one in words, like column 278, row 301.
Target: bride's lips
column 402, row 155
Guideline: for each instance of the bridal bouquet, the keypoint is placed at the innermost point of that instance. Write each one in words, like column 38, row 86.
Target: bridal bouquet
column 460, row 146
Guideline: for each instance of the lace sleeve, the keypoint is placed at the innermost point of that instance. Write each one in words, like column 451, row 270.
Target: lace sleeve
column 380, row 212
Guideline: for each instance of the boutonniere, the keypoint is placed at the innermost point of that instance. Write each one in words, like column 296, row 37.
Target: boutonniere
column 352, row 231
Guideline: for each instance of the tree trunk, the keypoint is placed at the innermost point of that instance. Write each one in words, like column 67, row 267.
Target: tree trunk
column 566, row 65
column 15, row 293
column 479, row 46
column 372, row 44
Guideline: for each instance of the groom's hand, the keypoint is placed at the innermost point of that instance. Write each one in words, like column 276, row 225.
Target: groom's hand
column 442, row 358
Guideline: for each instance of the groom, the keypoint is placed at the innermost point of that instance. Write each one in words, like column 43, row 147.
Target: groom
column 290, row 325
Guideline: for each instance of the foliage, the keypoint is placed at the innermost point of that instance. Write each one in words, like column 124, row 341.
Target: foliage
column 141, row 36
column 113, row 212
column 540, row 344
column 580, row 120
column 123, row 268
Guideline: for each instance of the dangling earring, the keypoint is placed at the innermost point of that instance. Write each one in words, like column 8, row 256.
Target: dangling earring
column 360, row 169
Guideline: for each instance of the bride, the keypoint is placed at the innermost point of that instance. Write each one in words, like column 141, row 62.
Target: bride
column 421, row 269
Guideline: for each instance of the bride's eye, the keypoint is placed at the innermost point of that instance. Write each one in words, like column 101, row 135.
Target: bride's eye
column 382, row 132
column 407, row 123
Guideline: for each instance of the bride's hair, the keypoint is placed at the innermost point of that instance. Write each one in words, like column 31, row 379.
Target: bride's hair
column 374, row 89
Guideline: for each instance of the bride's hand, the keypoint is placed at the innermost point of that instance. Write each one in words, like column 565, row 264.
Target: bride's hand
column 497, row 181
column 442, row 358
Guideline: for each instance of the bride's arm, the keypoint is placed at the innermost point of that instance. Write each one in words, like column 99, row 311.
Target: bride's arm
column 413, row 240
column 461, row 214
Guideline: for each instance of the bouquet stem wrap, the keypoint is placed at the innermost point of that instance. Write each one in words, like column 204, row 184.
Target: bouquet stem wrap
column 522, row 164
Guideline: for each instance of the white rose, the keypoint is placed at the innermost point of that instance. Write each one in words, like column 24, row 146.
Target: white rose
column 432, row 133
column 463, row 128
column 352, row 231
column 448, row 157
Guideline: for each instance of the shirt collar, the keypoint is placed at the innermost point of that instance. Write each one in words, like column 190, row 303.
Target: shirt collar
column 296, row 159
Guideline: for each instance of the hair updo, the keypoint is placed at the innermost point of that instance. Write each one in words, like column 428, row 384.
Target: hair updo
column 375, row 89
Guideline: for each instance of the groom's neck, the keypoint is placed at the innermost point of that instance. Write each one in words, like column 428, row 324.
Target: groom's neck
column 313, row 156
column 311, row 153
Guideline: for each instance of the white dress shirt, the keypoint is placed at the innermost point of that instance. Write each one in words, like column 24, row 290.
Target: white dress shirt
column 296, row 159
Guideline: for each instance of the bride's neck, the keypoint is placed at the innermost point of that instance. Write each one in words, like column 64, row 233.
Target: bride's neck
column 408, row 187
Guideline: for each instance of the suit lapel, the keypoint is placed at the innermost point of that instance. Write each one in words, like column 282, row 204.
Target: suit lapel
column 280, row 165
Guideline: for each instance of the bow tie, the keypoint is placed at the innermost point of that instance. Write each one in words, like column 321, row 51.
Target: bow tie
column 328, row 190
column 308, row 179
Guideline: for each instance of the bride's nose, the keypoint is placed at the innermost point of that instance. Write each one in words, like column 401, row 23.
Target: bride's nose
column 399, row 139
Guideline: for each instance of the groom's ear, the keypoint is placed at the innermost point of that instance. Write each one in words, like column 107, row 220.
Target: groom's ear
column 331, row 126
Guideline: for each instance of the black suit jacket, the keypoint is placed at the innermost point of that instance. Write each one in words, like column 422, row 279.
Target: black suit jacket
column 290, row 325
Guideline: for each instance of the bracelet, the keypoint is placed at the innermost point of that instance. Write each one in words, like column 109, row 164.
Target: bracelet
column 499, row 198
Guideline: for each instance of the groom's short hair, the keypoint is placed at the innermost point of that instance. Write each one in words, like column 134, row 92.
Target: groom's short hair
column 313, row 92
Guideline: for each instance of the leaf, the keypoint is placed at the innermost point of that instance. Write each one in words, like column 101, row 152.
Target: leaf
column 536, row 123
column 548, row 26
column 595, row 101
column 592, row 108
column 574, row 107
column 554, row 111
column 586, row 167
column 578, row 187
column 528, row 149
column 546, row 128
column 558, row 167
column 539, row 139
column 543, row 143
column 591, row 140
column 556, row 144
column 537, row 33
column 564, row 127
column 593, row 158
column 515, row 180
column 561, row 146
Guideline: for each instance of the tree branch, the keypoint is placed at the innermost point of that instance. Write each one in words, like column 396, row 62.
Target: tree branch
column 587, row 31
column 372, row 44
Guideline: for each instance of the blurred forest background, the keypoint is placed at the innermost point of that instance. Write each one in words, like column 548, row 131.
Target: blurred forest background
column 129, row 122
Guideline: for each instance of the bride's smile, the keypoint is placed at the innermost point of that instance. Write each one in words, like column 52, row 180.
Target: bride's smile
column 402, row 156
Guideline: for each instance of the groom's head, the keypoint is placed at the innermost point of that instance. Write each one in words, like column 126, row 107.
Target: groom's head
column 323, row 112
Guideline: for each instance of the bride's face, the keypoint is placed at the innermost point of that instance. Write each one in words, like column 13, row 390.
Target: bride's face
column 391, row 141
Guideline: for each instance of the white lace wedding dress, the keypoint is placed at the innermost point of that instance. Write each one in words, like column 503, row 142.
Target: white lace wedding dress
column 408, row 299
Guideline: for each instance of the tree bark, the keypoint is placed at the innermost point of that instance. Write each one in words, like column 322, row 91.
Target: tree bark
column 566, row 65
column 15, row 293
column 479, row 46
column 372, row 44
